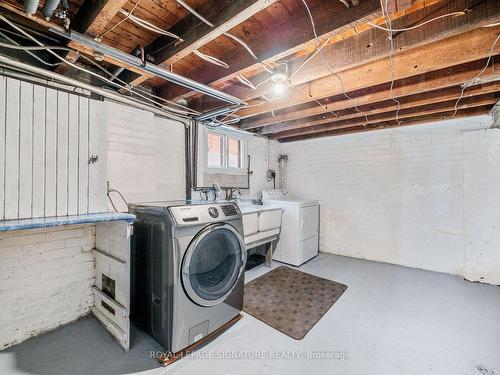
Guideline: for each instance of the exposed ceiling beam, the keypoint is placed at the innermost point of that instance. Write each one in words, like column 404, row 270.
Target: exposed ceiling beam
column 484, row 100
column 435, row 80
column 224, row 15
column 91, row 19
column 452, row 51
column 281, row 40
column 451, row 93
column 417, row 120
column 372, row 45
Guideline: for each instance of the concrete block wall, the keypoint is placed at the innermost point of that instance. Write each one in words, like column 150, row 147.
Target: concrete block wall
column 414, row 196
column 46, row 277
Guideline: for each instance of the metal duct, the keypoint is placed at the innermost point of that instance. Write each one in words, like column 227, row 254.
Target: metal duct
column 50, row 7
column 31, row 6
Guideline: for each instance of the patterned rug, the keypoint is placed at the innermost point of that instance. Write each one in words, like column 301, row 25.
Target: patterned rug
column 291, row 301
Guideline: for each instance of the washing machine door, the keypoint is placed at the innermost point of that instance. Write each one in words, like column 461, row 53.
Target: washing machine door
column 213, row 263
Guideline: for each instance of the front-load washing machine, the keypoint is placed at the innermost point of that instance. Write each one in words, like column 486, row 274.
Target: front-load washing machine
column 187, row 269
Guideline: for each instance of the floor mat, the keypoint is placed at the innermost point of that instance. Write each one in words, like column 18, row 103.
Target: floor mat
column 291, row 301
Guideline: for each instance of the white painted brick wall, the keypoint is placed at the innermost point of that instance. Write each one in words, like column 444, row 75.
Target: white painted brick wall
column 145, row 156
column 45, row 280
column 398, row 196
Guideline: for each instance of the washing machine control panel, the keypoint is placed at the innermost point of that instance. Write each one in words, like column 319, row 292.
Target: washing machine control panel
column 204, row 213
column 213, row 212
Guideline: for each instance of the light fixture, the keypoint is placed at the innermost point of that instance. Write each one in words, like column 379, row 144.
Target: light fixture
column 279, row 88
column 279, row 78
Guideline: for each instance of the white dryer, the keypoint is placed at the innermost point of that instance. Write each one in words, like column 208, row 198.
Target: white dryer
column 299, row 238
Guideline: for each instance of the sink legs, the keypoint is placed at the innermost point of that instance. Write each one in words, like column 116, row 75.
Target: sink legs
column 269, row 253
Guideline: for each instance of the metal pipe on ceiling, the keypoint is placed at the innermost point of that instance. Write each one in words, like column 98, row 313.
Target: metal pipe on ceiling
column 49, row 7
column 6, row 61
column 146, row 66
column 31, row 6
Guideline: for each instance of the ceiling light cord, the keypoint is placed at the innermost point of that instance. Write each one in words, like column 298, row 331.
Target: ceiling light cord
column 211, row 59
column 148, row 26
column 453, row 14
column 468, row 83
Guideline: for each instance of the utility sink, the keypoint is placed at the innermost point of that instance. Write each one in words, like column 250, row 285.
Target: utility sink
column 259, row 218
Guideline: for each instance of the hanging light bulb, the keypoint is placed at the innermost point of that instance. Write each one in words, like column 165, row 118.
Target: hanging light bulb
column 279, row 79
column 279, row 88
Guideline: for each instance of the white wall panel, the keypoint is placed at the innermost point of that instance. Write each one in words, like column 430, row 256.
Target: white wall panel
column 26, row 150
column 98, row 147
column 83, row 155
column 46, row 144
column 50, row 152
column 62, row 154
column 12, row 149
column 38, row 193
column 73, row 155
column 3, row 106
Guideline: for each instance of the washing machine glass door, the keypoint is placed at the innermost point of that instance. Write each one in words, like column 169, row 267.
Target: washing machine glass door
column 212, row 264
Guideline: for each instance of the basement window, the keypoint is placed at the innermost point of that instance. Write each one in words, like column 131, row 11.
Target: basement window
column 224, row 152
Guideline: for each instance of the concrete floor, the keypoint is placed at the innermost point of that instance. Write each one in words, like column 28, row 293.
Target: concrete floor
column 391, row 320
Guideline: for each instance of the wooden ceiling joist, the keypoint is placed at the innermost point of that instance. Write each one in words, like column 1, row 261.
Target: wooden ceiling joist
column 452, row 51
column 373, row 44
column 281, row 40
column 195, row 33
column 395, row 124
column 446, row 106
column 436, row 80
column 414, row 101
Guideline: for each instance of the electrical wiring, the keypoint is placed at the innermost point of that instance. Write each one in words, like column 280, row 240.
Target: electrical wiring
column 210, row 59
column 264, row 81
column 240, row 41
column 471, row 81
column 134, row 90
column 32, row 31
column 246, row 82
column 317, row 101
column 194, row 13
column 310, row 58
column 13, row 25
column 329, row 68
column 228, row 34
column 461, row 13
column 120, row 22
column 391, row 56
column 148, row 26
column 17, row 46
